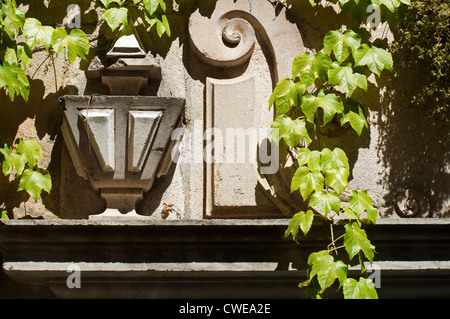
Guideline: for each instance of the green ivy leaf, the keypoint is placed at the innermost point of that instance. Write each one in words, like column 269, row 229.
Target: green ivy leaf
column 376, row 59
column 4, row 215
column 115, row 17
column 341, row 44
column 333, row 160
column 12, row 18
column 336, row 168
column 360, row 202
column 34, row 181
column 327, row 270
column 337, row 179
column 392, row 5
column 344, row 77
column 362, row 289
column 311, row 158
column 12, row 161
column 286, row 94
column 330, row 103
column 311, row 67
column 76, row 43
column 24, row 54
column 314, row 2
column 291, row 130
column 31, row 151
column 355, row 240
column 307, row 181
column 15, row 80
column 354, row 114
column 161, row 21
column 301, row 221
column 325, row 202
column 351, row 214
column 152, row 5
column 36, row 33
column 107, row 3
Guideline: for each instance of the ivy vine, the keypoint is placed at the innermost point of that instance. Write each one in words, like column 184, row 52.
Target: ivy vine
column 321, row 88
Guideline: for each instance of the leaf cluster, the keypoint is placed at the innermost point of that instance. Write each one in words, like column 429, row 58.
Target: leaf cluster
column 326, row 81
column 124, row 12
column 16, row 54
column 424, row 41
column 321, row 88
column 21, row 161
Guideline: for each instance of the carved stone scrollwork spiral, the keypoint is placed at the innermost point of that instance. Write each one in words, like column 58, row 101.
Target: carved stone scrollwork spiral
column 226, row 43
column 412, row 204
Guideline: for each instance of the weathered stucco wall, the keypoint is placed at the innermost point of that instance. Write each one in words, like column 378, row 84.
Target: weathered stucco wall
column 396, row 153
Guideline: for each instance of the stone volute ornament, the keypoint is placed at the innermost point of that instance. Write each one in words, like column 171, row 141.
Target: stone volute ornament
column 247, row 47
column 121, row 142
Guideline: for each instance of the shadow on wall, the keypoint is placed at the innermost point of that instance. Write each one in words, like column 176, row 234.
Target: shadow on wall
column 411, row 153
column 45, row 116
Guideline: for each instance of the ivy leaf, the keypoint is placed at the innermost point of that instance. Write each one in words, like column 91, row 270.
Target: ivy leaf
column 354, row 114
column 341, row 44
column 330, row 103
column 11, row 56
column 335, row 166
column 307, row 181
column 24, row 54
column 4, row 215
column 344, row 77
column 351, row 214
column 36, row 33
column 392, row 5
column 333, row 160
column 152, row 5
column 362, row 289
column 162, row 26
column 291, row 130
column 161, row 21
column 107, row 3
column 337, row 179
column 325, row 202
column 360, row 202
column 115, row 17
column 310, row 67
column 12, row 18
column 301, row 221
column 15, row 80
column 314, row 2
column 376, row 59
column 31, row 151
column 355, row 240
column 286, row 94
column 34, row 181
column 327, row 270
column 311, row 158
column 12, row 161
column 76, row 43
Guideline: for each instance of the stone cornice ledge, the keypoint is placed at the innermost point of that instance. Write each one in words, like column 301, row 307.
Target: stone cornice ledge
column 203, row 222
column 191, row 258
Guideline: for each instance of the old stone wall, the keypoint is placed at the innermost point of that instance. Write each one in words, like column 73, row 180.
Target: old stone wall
column 396, row 153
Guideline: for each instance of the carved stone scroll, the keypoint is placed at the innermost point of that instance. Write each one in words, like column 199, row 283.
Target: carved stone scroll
column 258, row 46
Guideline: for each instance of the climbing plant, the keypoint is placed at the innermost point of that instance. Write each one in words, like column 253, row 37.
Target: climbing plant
column 20, row 37
column 320, row 90
column 424, row 40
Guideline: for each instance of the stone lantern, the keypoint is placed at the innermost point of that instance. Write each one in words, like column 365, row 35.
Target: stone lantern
column 121, row 142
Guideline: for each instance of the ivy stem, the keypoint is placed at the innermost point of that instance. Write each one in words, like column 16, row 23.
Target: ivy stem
column 334, row 241
column 32, row 77
column 332, row 238
column 336, row 248
column 54, row 72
